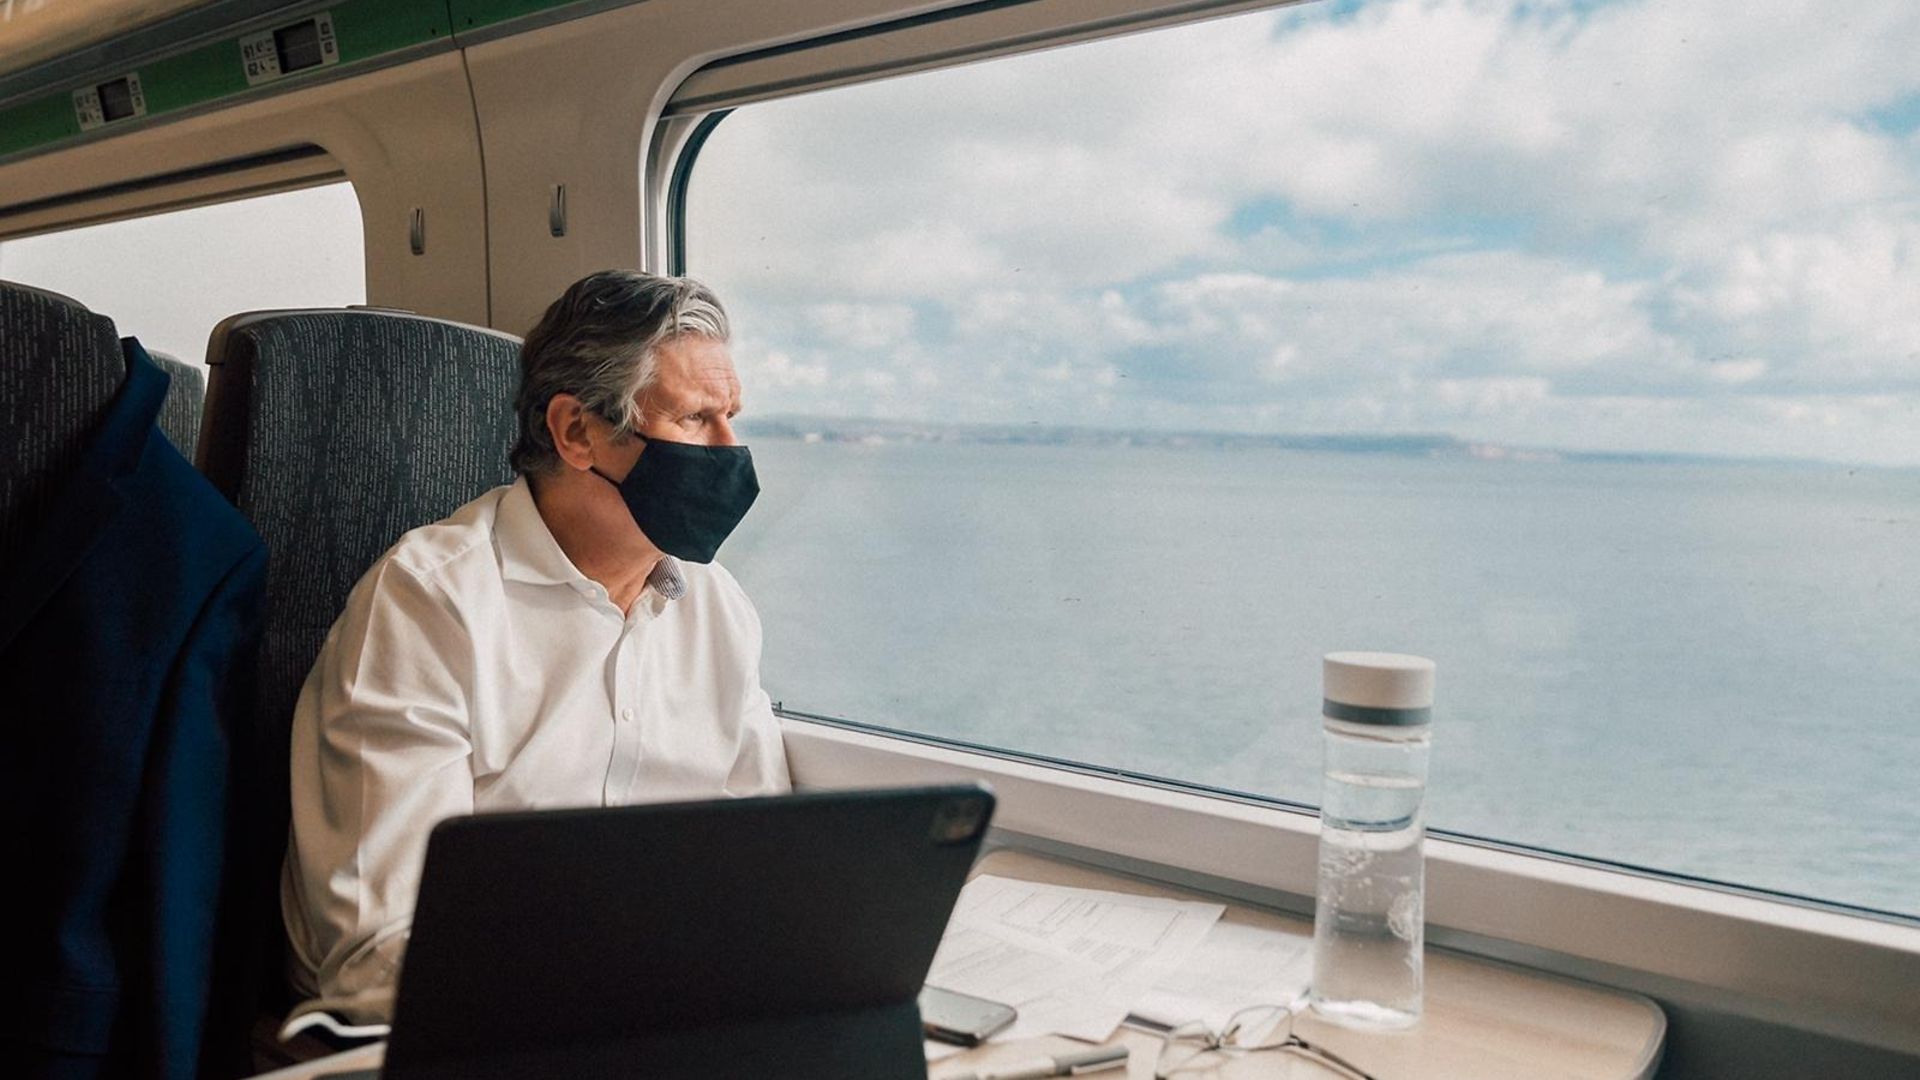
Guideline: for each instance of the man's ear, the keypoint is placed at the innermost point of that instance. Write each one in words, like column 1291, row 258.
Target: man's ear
column 567, row 424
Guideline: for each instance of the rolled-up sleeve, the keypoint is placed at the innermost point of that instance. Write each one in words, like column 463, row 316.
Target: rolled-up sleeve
column 381, row 752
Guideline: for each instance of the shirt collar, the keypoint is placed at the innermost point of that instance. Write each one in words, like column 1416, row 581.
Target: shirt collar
column 530, row 554
column 528, row 551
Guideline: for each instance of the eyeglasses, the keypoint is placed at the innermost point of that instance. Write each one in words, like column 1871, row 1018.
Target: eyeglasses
column 1194, row 1046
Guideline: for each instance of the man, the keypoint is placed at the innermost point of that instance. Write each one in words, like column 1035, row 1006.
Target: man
column 565, row 640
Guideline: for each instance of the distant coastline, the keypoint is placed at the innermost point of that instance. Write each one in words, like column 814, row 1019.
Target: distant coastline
column 874, row 432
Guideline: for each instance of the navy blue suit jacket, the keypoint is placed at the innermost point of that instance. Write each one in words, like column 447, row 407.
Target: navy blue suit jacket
column 126, row 748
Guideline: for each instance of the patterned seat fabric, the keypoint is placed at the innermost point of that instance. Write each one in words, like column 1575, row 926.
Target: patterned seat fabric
column 60, row 367
column 180, row 412
column 335, row 432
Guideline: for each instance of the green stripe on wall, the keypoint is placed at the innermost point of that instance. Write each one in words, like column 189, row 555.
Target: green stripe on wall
column 370, row 28
column 205, row 74
column 42, row 120
column 364, row 29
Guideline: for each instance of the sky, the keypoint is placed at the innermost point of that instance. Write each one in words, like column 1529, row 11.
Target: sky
column 1682, row 226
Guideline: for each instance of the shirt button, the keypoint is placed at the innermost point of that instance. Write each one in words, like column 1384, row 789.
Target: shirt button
column 626, row 714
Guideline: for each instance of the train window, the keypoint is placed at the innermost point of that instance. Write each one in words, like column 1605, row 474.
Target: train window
column 1099, row 391
column 168, row 278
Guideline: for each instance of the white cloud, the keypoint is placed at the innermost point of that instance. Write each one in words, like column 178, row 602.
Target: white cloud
column 1636, row 224
column 1457, row 314
column 1831, row 307
column 861, row 326
column 1734, row 372
column 778, row 371
column 1491, row 396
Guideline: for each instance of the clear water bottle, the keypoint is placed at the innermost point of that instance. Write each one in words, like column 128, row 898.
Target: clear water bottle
column 1369, row 915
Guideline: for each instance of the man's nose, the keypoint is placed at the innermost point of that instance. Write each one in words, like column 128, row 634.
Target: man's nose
column 723, row 434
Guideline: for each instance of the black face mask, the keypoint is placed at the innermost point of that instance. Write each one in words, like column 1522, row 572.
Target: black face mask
column 688, row 498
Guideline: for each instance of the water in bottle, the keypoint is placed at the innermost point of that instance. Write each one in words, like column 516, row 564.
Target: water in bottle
column 1368, row 915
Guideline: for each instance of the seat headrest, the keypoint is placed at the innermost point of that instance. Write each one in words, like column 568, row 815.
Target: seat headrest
column 339, row 346
column 60, row 367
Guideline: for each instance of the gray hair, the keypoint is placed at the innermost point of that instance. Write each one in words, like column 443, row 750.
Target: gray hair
column 598, row 343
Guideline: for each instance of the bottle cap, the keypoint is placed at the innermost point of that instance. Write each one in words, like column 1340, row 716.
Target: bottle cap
column 1385, row 689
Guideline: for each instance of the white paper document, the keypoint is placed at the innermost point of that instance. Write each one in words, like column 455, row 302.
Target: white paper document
column 1235, row 966
column 1070, row 961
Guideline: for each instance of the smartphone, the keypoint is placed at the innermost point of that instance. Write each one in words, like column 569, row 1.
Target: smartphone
column 960, row 1018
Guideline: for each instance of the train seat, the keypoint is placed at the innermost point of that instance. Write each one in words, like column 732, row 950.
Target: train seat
column 60, row 367
column 337, row 430
column 180, row 412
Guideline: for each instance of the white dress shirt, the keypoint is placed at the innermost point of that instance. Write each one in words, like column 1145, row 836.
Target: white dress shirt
column 476, row 669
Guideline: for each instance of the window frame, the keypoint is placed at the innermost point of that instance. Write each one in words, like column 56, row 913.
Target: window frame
column 303, row 165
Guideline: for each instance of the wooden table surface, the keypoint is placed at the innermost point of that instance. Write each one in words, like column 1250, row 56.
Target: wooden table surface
column 1482, row 1021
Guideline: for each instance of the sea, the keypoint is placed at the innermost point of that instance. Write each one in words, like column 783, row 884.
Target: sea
column 1708, row 669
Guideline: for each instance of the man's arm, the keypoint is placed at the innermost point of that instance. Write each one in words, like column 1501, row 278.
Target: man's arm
column 381, row 753
column 760, row 766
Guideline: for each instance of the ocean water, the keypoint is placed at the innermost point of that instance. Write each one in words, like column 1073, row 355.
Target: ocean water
column 1705, row 669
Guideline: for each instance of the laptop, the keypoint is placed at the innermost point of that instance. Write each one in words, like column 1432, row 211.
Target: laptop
column 784, row 936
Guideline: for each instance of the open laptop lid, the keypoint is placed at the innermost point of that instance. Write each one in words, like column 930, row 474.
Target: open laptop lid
column 769, row 936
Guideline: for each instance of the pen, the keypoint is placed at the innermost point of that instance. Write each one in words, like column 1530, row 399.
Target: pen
column 1085, row 1061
